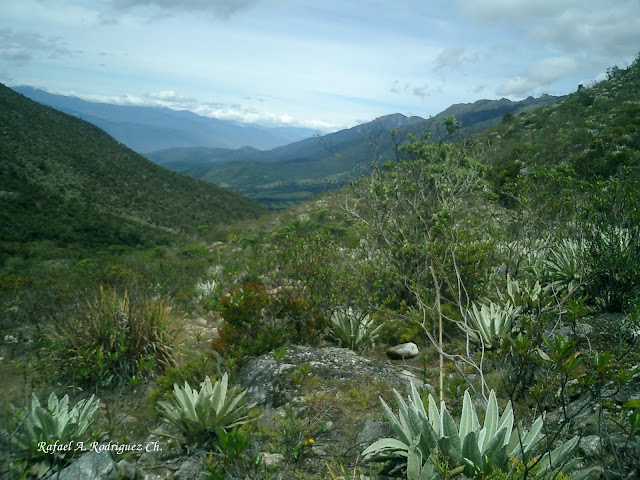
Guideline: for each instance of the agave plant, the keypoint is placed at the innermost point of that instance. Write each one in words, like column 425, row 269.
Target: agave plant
column 55, row 424
column 566, row 265
column 353, row 329
column 197, row 414
column 490, row 323
column 471, row 448
column 520, row 293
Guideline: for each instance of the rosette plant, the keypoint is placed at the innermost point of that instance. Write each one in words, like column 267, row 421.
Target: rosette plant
column 52, row 424
column 198, row 414
column 425, row 437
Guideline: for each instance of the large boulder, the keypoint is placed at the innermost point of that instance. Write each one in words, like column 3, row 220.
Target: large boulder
column 90, row 466
column 269, row 382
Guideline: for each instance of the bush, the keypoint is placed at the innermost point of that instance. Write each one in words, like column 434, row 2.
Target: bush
column 353, row 329
column 258, row 322
column 490, row 324
column 117, row 337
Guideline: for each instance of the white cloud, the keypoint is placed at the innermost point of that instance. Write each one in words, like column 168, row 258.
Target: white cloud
column 19, row 48
column 541, row 73
column 602, row 32
column 450, row 58
column 170, row 96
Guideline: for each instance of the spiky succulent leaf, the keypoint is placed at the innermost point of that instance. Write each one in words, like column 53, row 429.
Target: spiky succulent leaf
column 469, row 419
column 198, row 414
column 54, row 423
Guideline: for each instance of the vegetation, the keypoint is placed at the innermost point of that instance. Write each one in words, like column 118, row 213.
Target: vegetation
column 469, row 448
column 199, row 415
column 117, row 337
column 47, row 435
column 512, row 255
column 352, row 329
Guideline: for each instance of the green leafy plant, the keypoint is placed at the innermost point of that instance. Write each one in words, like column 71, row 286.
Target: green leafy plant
column 116, row 337
column 527, row 296
column 353, row 329
column 230, row 457
column 258, row 321
column 473, row 449
column 566, row 267
column 54, row 424
column 491, row 323
column 198, row 414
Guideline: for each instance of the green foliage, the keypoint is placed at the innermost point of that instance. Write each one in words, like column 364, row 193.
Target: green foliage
column 190, row 371
column 490, row 324
column 230, row 457
column 117, row 337
column 422, row 216
column 199, row 414
column 566, row 267
column 258, row 321
column 353, row 329
column 521, row 294
column 471, row 448
column 54, row 424
column 65, row 181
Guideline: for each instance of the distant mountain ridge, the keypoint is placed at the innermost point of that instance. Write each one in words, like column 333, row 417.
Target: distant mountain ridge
column 286, row 175
column 146, row 129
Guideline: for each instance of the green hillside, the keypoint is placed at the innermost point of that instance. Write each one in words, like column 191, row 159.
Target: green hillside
column 66, row 181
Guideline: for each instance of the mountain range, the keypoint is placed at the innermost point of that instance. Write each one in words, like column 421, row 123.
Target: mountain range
column 145, row 129
column 287, row 175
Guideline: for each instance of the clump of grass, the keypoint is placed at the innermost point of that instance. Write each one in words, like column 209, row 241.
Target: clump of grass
column 116, row 337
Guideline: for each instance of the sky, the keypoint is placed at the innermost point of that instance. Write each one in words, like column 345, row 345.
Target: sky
column 321, row 64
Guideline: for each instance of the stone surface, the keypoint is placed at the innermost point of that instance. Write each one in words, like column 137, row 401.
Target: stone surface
column 589, row 446
column 126, row 471
column 268, row 383
column 403, row 351
column 192, row 469
column 271, row 459
column 372, row 430
column 90, row 466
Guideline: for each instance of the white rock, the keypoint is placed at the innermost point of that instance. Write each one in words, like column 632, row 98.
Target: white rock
column 271, row 459
column 404, row 350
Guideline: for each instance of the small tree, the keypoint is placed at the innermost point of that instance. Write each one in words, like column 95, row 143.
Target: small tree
column 421, row 214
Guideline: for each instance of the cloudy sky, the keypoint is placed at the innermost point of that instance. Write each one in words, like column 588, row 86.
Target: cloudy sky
column 324, row 64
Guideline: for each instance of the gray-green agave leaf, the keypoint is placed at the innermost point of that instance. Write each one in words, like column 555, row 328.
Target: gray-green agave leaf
column 471, row 447
column 55, row 423
column 197, row 414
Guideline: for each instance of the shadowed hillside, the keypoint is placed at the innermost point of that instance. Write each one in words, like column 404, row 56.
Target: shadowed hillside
column 63, row 179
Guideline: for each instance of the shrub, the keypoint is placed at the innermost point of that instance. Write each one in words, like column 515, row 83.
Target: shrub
column 469, row 448
column 257, row 321
column 198, row 414
column 615, row 268
column 116, row 337
column 353, row 329
column 53, row 424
